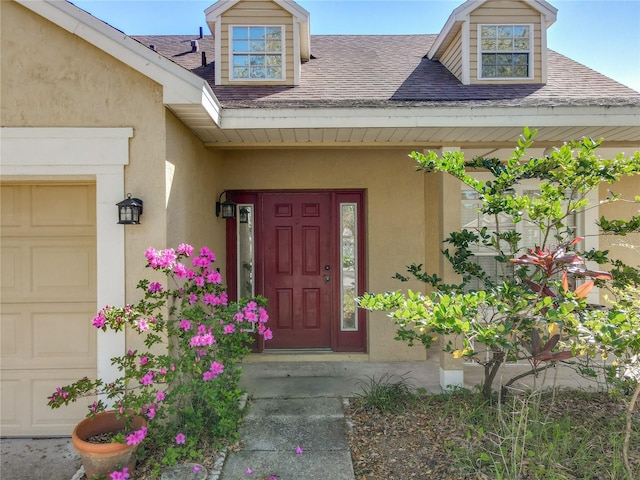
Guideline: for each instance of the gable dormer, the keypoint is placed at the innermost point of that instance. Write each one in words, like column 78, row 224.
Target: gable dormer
column 259, row 41
column 496, row 41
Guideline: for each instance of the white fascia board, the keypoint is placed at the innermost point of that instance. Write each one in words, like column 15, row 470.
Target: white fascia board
column 179, row 85
column 430, row 117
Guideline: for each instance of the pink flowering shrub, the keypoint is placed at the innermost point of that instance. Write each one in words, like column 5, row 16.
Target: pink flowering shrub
column 189, row 394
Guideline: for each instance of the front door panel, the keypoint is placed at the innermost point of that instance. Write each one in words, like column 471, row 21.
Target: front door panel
column 297, row 258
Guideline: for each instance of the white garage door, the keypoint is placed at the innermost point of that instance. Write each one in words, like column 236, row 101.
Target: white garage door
column 48, row 298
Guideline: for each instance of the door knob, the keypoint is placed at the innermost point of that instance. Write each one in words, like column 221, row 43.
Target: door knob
column 327, row 278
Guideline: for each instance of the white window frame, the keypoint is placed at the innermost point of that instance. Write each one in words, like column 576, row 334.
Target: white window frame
column 530, row 52
column 283, row 50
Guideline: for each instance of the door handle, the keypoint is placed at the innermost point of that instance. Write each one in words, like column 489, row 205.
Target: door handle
column 327, row 278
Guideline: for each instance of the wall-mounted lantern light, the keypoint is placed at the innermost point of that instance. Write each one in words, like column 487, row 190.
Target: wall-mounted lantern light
column 243, row 215
column 129, row 211
column 226, row 208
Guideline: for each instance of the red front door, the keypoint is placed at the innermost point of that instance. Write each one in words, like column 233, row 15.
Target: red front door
column 298, row 270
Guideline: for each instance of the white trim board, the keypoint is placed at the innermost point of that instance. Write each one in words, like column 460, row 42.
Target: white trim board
column 69, row 153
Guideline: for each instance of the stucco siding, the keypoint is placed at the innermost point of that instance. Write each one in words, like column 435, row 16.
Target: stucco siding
column 505, row 12
column 51, row 78
column 258, row 13
column 193, row 185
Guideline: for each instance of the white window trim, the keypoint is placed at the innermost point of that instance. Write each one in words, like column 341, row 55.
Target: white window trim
column 531, row 52
column 87, row 153
column 259, row 80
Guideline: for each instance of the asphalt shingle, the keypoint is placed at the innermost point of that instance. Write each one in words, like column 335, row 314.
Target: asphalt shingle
column 392, row 70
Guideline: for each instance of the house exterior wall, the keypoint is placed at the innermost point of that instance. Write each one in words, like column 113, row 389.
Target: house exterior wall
column 192, row 188
column 452, row 56
column 394, row 200
column 505, row 12
column 51, row 78
column 262, row 12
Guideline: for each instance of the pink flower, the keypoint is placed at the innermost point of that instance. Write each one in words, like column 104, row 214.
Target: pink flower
column 214, row 277
column 196, row 468
column 160, row 396
column 216, row 368
column 181, row 271
column 144, row 360
column 211, row 299
column 263, row 316
column 268, row 334
column 299, row 450
column 193, row 298
column 229, row 329
column 137, row 437
column 167, row 258
column 99, row 320
column 205, row 252
column 120, row 475
column 155, row 287
column 201, row 262
column 185, row 325
column 249, row 471
column 142, row 325
column 199, row 281
column 147, row 379
column 185, row 249
column 180, row 438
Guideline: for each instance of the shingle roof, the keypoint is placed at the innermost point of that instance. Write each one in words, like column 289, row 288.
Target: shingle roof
column 392, row 70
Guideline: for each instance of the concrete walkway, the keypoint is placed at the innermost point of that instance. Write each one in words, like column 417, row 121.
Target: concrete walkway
column 291, row 404
column 301, row 404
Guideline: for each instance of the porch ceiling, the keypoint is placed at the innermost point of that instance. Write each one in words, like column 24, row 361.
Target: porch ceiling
column 303, row 128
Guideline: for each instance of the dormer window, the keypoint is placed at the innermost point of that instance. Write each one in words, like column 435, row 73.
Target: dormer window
column 257, row 53
column 505, row 51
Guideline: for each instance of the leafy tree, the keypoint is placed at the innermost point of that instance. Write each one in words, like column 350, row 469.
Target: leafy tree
column 536, row 308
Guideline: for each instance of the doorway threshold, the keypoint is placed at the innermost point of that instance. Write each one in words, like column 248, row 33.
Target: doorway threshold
column 295, row 351
column 306, row 355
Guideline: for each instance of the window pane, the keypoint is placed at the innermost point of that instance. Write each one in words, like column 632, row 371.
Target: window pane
column 274, row 60
column 521, row 31
column 521, row 44
column 521, row 59
column 240, row 46
column 256, row 60
column 488, row 32
column 505, row 44
column 240, row 60
column 349, row 264
column 257, row 45
column 274, row 46
column 505, row 31
column 246, row 263
column 488, row 71
column 488, row 59
column 257, row 33
column 274, row 72
column 240, row 33
column 503, row 59
column 274, row 33
column 241, row 72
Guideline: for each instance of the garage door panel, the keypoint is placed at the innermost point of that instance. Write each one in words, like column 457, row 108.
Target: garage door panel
column 63, row 272
column 40, row 335
column 11, row 275
column 10, row 340
column 24, row 403
column 10, row 211
column 74, row 206
column 48, row 290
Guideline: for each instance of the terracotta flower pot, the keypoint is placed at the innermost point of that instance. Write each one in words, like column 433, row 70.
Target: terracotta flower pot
column 104, row 458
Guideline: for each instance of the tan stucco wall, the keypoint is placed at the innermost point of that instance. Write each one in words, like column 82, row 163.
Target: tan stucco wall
column 193, row 186
column 51, row 78
column 395, row 195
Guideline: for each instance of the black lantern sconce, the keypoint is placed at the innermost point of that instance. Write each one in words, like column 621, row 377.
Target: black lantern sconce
column 129, row 211
column 243, row 215
column 226, row 208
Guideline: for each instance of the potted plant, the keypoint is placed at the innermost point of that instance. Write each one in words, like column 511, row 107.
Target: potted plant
column 181, row 390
